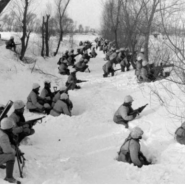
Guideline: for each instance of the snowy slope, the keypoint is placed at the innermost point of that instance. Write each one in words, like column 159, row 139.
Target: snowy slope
column 83, row 148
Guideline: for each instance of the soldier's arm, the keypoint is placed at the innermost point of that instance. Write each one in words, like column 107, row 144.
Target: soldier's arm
column 134, row 153
column 124, row 114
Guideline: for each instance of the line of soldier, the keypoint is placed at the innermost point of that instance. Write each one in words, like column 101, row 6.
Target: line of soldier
column 68, row 59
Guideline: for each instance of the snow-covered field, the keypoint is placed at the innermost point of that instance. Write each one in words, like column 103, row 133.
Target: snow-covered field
column 83, row 148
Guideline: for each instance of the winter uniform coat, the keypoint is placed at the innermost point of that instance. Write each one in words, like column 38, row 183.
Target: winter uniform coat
column 60, row 107
column 144, row 74
column 113, row 58
column 130, row 152
column 122, row 114
column 138, row 68
column 180, row 135
column 33, row 101
column 17, row 120
column 46, row 94
column 7, row 153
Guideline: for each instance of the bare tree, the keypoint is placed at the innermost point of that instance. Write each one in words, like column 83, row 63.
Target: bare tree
column 61, row 10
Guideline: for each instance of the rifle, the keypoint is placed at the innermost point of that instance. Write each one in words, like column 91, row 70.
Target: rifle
column 19, row 155
column 6, row 109
column 81, row 81
column 116, row 70
column 139, row 110
column 33, row 121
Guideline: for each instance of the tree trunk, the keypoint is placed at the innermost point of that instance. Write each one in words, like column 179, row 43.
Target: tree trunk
column 58, row 46
column 43, row 32
column 47, row 35
column 24, row 30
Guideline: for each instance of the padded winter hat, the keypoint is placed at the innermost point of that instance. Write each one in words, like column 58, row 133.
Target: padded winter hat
column 35, row 86
column 136, row 133
column 7, row 123
column 19, row 104
column 144, row 63
column 183, row 125
column 128, row 99
column 63, row 96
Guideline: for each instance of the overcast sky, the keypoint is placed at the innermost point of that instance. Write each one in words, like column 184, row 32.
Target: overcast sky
column 85, row 12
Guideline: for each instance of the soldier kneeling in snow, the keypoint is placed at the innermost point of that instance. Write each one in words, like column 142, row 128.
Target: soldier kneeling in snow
column 130, row 150
column 123, row 114
column 61, row 106
column 11, row 44
column 180, row 134
column 7, row 152
column 20, row 129
column 35, row 103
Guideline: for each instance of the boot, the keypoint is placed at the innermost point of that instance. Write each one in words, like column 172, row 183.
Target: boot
column 9, row 173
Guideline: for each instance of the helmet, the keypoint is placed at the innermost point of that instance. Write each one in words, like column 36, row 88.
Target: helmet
column 63, row 96
column 35, row 86
column 183, row 125
column 19, row 104
column 7, row 123
column 62, row 88
column 128, row 99
column 139, row 58
column 144, row 63
column 136, row 133
column 142, row 50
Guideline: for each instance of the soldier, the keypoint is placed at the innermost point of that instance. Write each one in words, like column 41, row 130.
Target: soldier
column 107, row 69
column 63, row 68
column 7, row 152
column 71, row 58
column 123, row 114
column 180, row 134
column 82, row 65
column 130, row 150
column 93, row 53
column 72, row 80
column 57, row 97
column 35, row 103
column 138, row 66
column 20, row 129
column 11, row 44
column 141, row 54
column 46, row 93
column 144, row 73
column 61, row 106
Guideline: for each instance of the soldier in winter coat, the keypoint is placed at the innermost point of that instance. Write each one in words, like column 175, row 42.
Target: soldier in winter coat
column 20, row 129
column 180, row 134
column 7, row 152
column 72, row 80
column 108, row 68
column 57, row 97
column 144, row 73
column 61, row 106
column 46, row 93
column 35, row 103
column 130, row 150
column 123, row 114
column 11, row 44
column 63, row 68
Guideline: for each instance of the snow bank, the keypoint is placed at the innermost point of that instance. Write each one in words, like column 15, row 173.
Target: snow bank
column 83, row 148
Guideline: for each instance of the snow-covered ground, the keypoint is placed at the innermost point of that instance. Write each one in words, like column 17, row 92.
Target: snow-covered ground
column 83, row 148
